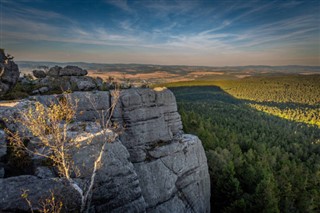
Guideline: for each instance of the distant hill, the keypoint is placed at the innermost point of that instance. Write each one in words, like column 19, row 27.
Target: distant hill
column 169, row 73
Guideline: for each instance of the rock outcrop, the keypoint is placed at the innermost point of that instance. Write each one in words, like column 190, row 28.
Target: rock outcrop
column 37, row 190
column 39, row 73
column 72, row 71
column 9, row 73
column 70, row 78
column 151, row 167
column 57, row 71
column 54, row 71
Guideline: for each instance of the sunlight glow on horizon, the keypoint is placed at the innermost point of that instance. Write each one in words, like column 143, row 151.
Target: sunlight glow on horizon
column 209, row 33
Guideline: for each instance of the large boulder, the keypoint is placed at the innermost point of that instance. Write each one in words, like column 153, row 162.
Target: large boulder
column 54, row 71
column 83, row 83
column 38, row 190
column 59, row 79
column 151, row 167
column 39, row 73
column 9, row 73
column 72, row 71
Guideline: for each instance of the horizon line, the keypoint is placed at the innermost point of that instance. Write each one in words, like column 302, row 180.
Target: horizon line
column 109, row 63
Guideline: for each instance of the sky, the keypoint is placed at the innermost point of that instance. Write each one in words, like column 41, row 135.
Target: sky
column 186, row 32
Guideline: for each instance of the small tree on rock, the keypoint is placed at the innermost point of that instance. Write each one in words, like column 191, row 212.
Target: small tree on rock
column 50, row 126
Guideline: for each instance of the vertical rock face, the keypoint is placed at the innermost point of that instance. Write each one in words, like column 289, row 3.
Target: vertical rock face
column 149, row 117
column 9, row 73
column 171, row 166
column 176, row 179
column 152, row 167
column 118, row 187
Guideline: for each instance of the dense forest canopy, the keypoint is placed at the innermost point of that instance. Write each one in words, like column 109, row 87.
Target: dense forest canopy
column 292, row 97
column 258, row 162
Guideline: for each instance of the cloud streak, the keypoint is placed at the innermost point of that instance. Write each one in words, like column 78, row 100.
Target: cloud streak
column 121, row 4
column 172, row 28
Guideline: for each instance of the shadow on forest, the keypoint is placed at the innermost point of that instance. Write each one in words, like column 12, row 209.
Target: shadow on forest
column 216, row 95
column 203, row 93
column 251, row 154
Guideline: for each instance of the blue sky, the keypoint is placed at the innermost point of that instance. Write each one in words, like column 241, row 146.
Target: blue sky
column 186, row 32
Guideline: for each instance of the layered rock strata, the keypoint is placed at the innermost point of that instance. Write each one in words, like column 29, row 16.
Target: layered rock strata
column 151, row 167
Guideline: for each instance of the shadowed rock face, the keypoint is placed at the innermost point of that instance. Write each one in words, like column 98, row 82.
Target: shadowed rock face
column 37, row 189
column 66, row 71
column 67, row 78
column 39, row 73
column 151, row 167
column 9, row 73
column 72, row 71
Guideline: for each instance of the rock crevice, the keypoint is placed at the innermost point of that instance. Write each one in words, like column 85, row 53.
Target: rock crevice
column 152, row 167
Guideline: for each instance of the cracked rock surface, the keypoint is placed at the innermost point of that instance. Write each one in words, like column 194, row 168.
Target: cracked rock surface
column 9, row 73
column 152, row 167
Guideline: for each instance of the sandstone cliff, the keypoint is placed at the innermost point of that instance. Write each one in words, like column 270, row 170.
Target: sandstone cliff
column 9, row 73
column 152, row 167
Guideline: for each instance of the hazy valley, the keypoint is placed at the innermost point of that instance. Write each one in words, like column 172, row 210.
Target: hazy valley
column 155, row 74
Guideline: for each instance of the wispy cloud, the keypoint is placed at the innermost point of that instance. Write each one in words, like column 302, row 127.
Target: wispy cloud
column 250, row 10
column 16, row 9
column 188, row 28
column 289, row 4
column 127, row 25
column 279, row 31
column 24, row 23
column 121, row 4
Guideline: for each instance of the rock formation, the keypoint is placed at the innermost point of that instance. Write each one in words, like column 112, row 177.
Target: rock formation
column 9, row 73
column 37, row 189
column 54, row 71
column 70, row 78
column 39, row 73
column 72, row 71
column 152, row 167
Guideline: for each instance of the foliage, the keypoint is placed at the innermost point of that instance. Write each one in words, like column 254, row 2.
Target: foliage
column 293, row 97
column 48, row 205
column 298, row 89
column 257, row 162
column 19, row 91
column 50, row 124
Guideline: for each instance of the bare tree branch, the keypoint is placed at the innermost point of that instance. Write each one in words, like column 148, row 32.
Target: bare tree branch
column 50, row 125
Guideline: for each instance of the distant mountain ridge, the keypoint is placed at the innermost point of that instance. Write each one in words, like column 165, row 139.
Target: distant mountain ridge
column 169, row 73
column 86, row 65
